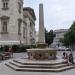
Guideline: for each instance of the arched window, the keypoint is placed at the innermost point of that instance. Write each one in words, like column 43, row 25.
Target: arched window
column 4, row 24
column 19, row 26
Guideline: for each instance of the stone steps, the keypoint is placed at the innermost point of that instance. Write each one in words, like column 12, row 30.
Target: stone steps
column 37, row 66
column 38, row 62
column 16, row 68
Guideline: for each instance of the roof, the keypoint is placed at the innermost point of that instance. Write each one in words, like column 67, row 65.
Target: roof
column 60, row 30
column 31, row 11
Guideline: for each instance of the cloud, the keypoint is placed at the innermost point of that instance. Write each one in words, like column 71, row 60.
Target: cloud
column 58, row 14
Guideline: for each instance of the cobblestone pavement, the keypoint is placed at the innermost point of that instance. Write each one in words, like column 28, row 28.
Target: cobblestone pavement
column 4, row 70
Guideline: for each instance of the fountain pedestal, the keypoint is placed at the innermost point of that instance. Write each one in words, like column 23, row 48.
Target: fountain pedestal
column 42, row 54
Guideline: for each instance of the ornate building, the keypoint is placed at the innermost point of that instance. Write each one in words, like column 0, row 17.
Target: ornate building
column 29, row 23
column 13, row 23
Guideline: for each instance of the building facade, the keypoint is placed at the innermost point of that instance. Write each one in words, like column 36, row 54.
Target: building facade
column 12, row 27
column 29, row 23
column 59, row 34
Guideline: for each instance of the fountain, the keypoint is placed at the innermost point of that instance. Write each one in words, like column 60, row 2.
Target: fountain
column 42, row 52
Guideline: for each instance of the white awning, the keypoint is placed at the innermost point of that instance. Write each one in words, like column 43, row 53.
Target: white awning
column 9, row 42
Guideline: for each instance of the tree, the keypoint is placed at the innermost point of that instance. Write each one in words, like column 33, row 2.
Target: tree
column 69, row 37
column 49, row 36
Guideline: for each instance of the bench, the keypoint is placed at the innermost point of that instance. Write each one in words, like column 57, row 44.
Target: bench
column 5, row 55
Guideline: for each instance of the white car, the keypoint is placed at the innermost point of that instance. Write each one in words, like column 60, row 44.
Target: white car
column 63, row 48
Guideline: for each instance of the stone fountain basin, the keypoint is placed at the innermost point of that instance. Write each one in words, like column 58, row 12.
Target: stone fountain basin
column 42, row 54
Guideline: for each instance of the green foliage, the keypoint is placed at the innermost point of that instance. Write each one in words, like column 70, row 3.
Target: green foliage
column 15, row 48
column 72, row 26
column 49, row 36
column 20, row 48
column 33, row 46
column 6, row 48
column 69, row 37
column 1, row 49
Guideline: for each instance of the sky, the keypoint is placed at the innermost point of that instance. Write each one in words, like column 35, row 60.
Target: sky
column 58, row 14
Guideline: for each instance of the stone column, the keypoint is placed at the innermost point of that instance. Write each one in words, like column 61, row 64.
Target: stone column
column 41, row 25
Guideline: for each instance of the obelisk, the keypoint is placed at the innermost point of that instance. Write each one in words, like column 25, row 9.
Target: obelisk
column 41, row 25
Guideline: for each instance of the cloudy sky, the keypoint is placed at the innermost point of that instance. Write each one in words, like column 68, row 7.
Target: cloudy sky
column 58, row 14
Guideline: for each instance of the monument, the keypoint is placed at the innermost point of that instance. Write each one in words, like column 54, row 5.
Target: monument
column 41, row 25
column 42, row 52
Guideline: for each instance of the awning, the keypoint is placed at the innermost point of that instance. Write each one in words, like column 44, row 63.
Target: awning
column 9, row 42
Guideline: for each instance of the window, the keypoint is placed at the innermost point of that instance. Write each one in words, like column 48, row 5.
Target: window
column 24, row 29
column 4, row 28
column 19, row 5
column 24, row 32
column 30, row 34
column 4, row 24
column 5, row 4
column 19, row 26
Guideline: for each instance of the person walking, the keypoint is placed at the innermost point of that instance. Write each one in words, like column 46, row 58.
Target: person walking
column 71, row 60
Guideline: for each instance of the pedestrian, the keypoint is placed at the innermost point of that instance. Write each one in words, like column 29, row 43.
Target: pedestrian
column 65, row 57
column 11, row 52
column 71, row 60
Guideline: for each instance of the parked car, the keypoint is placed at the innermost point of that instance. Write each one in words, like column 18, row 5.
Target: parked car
column 62, row 48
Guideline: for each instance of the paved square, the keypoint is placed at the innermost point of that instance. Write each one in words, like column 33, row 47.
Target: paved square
column 4, row 70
